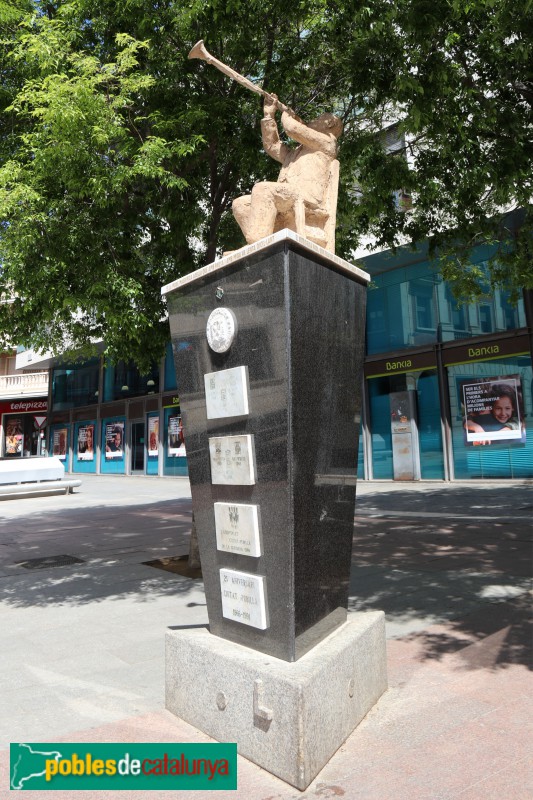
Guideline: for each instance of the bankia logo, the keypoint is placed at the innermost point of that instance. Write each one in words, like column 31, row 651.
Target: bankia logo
column 123, row 766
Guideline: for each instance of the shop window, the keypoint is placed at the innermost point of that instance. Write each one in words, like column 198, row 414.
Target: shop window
column 21, row 438
column 123, row 380
column 75, row 385
column 500, row 455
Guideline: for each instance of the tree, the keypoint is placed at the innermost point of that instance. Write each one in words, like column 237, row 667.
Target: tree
column 457, row 75
column 120, row 158
column 125, row 158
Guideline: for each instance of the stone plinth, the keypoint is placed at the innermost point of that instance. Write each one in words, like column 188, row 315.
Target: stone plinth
column 288, row 718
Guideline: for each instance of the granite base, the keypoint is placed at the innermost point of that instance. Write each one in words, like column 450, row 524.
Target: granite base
column 289, row 718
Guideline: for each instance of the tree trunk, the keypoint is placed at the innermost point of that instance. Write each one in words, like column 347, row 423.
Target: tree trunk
column 194, row 551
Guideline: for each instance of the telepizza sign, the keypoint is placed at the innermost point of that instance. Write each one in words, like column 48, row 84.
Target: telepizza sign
column 35, row 405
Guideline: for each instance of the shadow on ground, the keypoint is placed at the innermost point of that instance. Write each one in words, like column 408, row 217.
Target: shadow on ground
column 113, row 543
column 467, row 580
column 469, row 576
column 482, row 499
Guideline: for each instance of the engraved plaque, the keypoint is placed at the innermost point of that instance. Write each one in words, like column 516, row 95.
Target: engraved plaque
column 232, row 460
column 226, row 393
column 221, row 329
column 237, row 528
column 244, row 598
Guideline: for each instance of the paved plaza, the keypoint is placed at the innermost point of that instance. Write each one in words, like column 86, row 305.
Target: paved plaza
column 82, row 644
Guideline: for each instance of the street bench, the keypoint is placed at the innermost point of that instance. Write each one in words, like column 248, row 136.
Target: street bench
column 34, row 476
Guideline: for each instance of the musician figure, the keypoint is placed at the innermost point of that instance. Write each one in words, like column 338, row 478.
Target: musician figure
column 304, row 175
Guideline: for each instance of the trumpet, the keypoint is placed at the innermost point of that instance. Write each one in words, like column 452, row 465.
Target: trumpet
column 200, row 51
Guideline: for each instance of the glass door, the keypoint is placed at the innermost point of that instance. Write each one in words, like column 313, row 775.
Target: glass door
column 137, row 445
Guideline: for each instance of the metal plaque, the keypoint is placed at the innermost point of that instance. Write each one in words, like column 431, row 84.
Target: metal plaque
column 221, row 329
column 237, row 528
column 244, row 598
column 232, row 460
column 226, row 393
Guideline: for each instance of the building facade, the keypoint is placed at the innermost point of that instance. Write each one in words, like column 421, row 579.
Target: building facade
column 23, row 409
column 110, row 419
column 435, row 372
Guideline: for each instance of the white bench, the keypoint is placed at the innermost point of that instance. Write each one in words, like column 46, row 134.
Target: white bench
column 38, row 475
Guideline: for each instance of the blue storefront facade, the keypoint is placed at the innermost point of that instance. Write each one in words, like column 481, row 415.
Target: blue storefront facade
column 447, row 362
column 111, row 420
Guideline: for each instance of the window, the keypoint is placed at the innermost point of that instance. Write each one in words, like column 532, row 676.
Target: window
column 423, row 304
column 485, row 317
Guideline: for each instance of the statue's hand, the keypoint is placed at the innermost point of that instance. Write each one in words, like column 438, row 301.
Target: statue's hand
column 270, row 106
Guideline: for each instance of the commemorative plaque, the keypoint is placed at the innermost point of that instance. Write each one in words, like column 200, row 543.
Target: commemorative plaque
column 244, row 598
column 232, row 460
column 226, row 393
column 221, row 329
column 237, row 528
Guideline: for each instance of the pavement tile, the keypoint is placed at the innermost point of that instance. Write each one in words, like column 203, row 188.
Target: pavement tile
column 83, row 647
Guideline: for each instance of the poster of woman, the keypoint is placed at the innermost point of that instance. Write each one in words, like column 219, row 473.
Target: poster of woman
column 493, row 410
column 86, row 443
column 176, row 442
column 114, row 440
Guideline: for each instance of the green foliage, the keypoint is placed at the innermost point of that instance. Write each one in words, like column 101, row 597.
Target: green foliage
column 459, row 79
column 120, row 157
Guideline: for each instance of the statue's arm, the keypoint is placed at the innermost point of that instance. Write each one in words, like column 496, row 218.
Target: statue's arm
column 271, row 141
column 314, row 140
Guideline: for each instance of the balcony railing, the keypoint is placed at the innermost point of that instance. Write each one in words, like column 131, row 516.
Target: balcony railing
column 28, row 384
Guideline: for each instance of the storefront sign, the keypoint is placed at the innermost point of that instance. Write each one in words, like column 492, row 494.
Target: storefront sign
column 398, row 364
column 38, row 404
column 483, row 351
column 171, row 400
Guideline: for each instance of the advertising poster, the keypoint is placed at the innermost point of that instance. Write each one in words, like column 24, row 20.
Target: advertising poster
column 14, row 436
column 153, row 436
column 86, row 443
column 114, row 440
column 176, row 443
column 492, row 410
column 59, row 444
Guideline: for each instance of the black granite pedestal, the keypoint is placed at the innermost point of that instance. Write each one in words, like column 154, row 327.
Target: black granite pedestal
column 268, row 346
column 299, row 315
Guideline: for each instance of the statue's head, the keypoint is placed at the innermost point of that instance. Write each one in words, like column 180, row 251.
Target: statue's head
column 327, row 123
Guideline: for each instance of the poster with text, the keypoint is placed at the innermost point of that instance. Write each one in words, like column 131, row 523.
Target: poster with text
column 493, row 410
column 59, row 444
column 86, row 443
column 176, row 442
column 14, row 436
column 153, row 436
column 114, row 440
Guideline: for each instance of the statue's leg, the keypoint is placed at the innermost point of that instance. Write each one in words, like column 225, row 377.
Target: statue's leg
column 241, row 212
column 263, row 210
column 256, row 213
